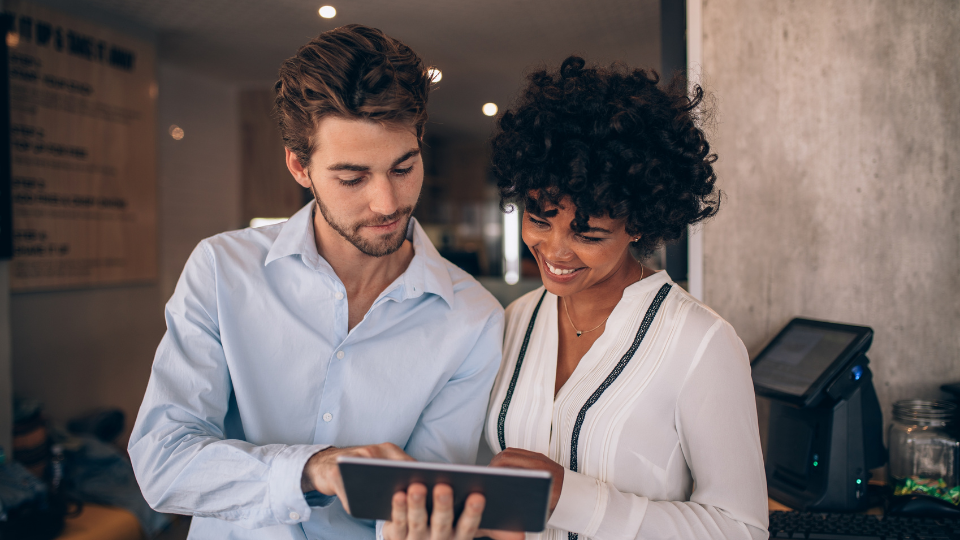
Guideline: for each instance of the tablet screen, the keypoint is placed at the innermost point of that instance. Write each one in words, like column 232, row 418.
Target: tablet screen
column 798, row 358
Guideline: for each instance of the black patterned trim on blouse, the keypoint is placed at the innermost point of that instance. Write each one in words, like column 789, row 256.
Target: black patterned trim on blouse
column 641, row 332
column 516, row 374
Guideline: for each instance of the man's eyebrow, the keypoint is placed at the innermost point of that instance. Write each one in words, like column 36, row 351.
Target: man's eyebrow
column 405, row 157
column 364, row 168
column 348, row 167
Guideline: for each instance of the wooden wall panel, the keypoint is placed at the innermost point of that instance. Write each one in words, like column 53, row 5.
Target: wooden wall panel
column 267, row 188
column 83, row 114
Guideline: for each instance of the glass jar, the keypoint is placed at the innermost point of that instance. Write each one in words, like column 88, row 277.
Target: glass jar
column 924, row 451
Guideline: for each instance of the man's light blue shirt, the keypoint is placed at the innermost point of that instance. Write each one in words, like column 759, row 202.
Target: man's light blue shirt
column 258, row 371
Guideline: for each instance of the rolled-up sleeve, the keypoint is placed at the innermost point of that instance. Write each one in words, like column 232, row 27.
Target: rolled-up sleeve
column 182, row 459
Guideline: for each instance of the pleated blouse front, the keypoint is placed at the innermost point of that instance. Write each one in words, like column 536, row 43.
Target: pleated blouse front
column 667, row 444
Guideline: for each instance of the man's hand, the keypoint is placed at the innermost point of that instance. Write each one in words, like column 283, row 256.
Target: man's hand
column 525, row 459
column 322, row 474
column 409, row 519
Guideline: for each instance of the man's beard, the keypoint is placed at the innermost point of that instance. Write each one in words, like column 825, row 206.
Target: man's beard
column 378, row 247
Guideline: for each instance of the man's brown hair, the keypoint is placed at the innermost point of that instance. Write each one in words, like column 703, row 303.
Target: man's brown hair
column 355, row 72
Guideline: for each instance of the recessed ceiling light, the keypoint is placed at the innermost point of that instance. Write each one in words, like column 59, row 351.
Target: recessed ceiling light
column 490, row 109
column 328, row 12
column 176, row 132
column 434, row 74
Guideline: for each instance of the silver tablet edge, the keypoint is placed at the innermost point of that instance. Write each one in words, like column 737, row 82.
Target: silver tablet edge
column 447, row 467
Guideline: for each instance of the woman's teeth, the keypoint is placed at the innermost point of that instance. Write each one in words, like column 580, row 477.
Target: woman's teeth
column 558, row 271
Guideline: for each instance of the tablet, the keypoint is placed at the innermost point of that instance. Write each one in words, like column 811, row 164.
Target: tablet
column 516, row 499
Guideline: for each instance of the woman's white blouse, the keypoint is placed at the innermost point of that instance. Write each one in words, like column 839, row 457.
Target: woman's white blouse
column 669, row 450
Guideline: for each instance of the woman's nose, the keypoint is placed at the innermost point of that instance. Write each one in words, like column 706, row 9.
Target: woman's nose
column 554, row 247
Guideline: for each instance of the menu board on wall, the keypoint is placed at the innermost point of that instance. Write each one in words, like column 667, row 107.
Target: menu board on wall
column 83, row 152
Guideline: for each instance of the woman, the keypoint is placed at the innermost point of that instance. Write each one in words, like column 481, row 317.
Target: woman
column 632, row 393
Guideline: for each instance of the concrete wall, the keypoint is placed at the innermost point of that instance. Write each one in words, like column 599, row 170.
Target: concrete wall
column 839, row 146
column 76, row 350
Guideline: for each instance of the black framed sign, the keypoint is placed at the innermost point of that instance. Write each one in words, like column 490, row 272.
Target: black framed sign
column 6, row 205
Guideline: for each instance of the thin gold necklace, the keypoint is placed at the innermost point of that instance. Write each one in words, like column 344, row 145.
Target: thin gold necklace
column 581, row 332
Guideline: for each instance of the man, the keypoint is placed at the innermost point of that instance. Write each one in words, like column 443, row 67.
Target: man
column 341, row 331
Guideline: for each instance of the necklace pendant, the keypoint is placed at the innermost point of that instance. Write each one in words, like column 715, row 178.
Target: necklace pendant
column 578, row 333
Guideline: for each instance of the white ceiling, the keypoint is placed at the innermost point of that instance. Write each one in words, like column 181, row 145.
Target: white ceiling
column 483, row 48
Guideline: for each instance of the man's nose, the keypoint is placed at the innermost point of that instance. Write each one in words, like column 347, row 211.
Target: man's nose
column 383, row 199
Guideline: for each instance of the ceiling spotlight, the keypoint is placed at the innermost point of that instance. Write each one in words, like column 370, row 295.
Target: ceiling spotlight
column 490, row 109
column 328, row 12
column 176, row 132
column 434, row 74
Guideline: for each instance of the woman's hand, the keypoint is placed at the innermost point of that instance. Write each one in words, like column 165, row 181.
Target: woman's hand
column 409, row 518
column 525, row 459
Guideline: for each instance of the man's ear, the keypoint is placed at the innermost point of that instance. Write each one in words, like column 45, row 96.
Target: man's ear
column 298, row 171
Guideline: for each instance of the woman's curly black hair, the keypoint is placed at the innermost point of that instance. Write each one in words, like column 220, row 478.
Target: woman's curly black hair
column 615, row 143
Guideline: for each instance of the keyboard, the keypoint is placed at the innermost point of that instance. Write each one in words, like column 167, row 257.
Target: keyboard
column 831, row 526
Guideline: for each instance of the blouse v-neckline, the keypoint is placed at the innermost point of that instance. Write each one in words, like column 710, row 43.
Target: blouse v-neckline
column 614, row 326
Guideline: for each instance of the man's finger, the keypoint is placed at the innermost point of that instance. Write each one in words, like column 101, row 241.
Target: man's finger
column 417, row 512
column 469, row 520
column 392, row 451
column 441, row 519
column 342, row 495
column 335, row 481
column 397, row 526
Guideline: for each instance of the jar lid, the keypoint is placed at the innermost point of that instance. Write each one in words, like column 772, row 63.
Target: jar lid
column 924, row 412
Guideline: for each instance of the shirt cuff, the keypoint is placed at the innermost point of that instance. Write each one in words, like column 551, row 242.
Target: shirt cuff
column 581, row 505
column 287, row 501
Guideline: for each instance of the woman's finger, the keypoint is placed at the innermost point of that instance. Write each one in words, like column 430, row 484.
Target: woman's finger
column 469, row 520
column 417, row 512
column 396, row 528
column 441, row 519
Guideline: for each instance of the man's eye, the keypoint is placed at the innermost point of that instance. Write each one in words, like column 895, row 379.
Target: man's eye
column 403, row 172
column 350, row 182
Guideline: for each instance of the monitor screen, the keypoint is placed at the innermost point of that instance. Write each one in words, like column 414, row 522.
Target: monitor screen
column 798, row 357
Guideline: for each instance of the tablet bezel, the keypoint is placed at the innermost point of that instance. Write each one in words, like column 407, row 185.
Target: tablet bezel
column 863, row 336
column 472, row 474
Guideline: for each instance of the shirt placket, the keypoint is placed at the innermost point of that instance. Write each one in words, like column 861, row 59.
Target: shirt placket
column 328, row 419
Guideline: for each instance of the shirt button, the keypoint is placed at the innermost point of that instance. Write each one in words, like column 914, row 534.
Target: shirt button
column 340, row 355
column 294, row 516
column 339, row 295
column 327, row 417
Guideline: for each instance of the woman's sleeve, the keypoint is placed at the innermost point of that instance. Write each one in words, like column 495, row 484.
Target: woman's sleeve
column 716, row 418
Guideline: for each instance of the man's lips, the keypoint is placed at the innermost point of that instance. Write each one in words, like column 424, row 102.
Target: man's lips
column 385, row 227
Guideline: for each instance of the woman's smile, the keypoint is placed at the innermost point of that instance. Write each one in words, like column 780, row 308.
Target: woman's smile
column 561, row 272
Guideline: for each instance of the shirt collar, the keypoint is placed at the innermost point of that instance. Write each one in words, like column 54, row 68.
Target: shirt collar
column 427, row 272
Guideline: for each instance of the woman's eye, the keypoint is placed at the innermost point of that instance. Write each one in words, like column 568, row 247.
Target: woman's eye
column 589, row 239
column 537, row 222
